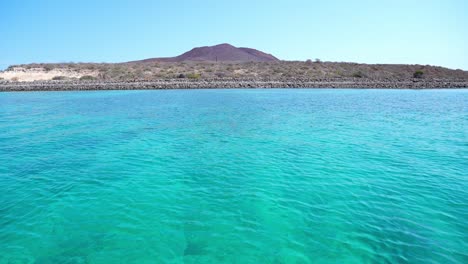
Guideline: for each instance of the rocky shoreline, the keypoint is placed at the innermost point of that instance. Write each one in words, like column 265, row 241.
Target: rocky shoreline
column 230, row 83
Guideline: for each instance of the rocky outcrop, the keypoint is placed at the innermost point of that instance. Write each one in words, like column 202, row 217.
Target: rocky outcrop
column 230, row 83
column 42, row 74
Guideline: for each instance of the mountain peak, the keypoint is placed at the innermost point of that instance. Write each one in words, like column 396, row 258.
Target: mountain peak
column 222, row 53
column 224, row 45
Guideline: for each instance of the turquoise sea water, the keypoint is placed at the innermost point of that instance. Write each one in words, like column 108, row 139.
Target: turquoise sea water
column 234, row 176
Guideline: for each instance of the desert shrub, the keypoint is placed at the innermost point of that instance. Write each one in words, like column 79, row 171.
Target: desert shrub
column 181, row 76
column 103, row 76
column 339, row 73
column 129, row 76
column 15, row 79
column 117, row 71
column 48, row 67
column 358, row 75
column 102, row 67
column 138, row 73
column 308, row 62
column 194, row 76
column 87, row 78
column 318, row 60
column 59, row 78
column 1, row 78
column 158, row 75
column 418, row 74
column 220, row 74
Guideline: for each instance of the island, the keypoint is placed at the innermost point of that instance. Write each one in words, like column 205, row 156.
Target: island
column 226, row 66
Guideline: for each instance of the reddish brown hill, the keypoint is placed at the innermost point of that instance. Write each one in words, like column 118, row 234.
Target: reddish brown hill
column 222, row 52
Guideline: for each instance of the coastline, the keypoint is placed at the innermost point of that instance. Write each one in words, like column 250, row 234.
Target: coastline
column 230, row 83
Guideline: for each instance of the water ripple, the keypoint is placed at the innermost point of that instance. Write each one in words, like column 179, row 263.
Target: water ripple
column 234, row 176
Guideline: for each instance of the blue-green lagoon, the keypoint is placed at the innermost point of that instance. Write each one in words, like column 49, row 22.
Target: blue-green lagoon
column 234, row 176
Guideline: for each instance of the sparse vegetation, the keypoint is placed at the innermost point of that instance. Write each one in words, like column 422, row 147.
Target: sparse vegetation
column 221, row 75
column 59, row 78
column 251, row 70
column 194, row 76
column 87, row 78
column 358, row 74
column 14, row 79
column 418, row 74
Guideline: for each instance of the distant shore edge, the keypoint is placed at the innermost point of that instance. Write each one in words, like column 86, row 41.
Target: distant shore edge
column 225, row 84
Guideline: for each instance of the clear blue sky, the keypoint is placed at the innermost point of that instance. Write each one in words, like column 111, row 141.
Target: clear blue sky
column 371, row 31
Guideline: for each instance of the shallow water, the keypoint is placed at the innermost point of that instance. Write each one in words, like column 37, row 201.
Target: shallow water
column 234, row 176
